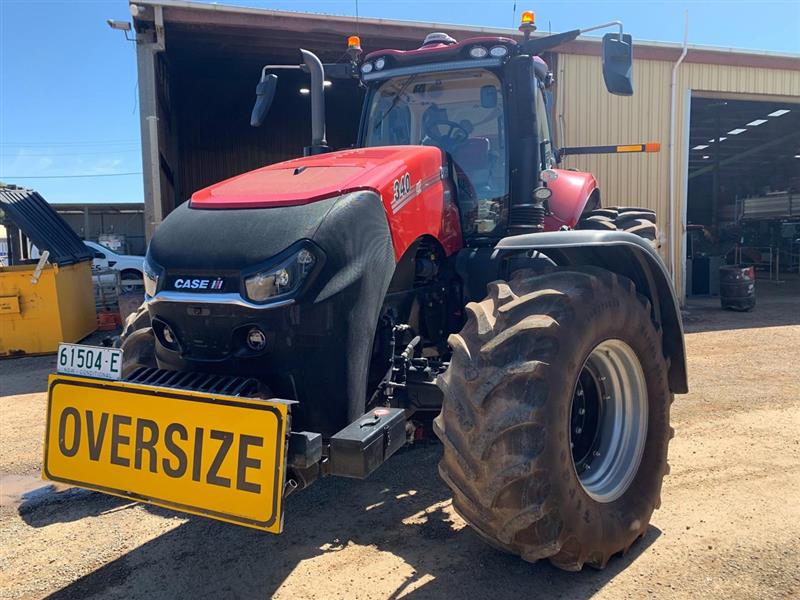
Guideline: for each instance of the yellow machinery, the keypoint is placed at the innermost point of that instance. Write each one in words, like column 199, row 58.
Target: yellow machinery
column 48, row 299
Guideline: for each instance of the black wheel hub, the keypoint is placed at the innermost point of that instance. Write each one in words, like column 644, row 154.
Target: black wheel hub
column 585, row 430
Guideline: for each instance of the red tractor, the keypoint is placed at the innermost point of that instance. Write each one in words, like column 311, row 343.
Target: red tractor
column 443, row 274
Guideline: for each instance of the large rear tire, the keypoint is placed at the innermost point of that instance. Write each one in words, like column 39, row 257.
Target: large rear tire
column 555, row 418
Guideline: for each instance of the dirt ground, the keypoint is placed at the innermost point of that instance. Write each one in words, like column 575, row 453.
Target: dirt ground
column 729, row 525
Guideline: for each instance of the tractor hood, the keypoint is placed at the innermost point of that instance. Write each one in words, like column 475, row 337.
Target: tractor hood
column 312, row 178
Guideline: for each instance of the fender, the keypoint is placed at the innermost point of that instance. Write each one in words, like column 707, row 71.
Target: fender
column 626, row 254
column 571, row 192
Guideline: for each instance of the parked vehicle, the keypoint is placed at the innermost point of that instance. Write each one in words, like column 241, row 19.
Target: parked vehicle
column 131, row 267
column 311, row 317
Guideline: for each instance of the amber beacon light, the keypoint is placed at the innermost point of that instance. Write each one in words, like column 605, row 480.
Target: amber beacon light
column 527, row 23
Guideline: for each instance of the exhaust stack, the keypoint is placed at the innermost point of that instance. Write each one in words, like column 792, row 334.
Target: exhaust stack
column 318, row 142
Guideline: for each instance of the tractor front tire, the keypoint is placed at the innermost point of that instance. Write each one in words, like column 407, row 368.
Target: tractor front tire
column 555, row 417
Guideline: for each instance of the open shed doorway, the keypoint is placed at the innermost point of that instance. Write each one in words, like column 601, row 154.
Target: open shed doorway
column 743, row 195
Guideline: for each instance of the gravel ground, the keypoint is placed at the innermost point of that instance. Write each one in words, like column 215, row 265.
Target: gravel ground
column 728, row 527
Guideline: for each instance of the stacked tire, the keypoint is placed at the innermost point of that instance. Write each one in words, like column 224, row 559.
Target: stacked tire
column 639, row 221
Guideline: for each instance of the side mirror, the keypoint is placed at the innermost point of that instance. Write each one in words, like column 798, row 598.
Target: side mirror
column 265, row 93
column 488, row 96
column 618, row 63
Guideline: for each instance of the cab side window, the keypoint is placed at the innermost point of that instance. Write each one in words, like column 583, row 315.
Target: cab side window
column 543, row 122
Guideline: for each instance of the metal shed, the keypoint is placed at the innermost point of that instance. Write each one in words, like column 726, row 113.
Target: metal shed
column 198, row 65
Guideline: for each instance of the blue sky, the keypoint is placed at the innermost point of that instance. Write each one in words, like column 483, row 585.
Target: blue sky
column 68, row 82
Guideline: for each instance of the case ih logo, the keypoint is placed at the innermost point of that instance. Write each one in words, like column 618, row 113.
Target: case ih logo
column 199, row 284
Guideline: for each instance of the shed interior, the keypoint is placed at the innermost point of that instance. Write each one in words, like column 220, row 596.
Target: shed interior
column 743, row 189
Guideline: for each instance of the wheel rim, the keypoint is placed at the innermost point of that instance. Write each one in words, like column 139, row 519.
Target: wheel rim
column 608, row 422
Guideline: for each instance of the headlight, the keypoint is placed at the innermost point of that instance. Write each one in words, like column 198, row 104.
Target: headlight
column 366, row 68
column 380, row 63
column 281, row 280
column 498, row 51
column 150, row 276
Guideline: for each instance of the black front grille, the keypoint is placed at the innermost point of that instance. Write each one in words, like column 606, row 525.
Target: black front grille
column 198, row 382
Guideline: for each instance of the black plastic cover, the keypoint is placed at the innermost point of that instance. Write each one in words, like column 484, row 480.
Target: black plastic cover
column 318, row 348
column 43, row 226
column 364, row 445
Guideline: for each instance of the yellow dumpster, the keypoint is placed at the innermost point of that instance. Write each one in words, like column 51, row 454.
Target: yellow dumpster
column 45, row 299
column 36, row 317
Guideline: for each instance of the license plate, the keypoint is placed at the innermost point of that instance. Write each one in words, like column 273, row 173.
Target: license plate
column 89, row 361
column 206, row 454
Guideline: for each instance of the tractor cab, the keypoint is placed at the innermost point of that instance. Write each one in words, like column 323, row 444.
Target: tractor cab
column 458, row 97
column 485, row 102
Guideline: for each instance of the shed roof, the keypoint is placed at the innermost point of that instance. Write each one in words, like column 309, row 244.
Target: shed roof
column 43, row 226
column 319, row 30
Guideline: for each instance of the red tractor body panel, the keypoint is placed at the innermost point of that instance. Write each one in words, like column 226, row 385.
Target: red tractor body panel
column 571, row 191
column 409, row 179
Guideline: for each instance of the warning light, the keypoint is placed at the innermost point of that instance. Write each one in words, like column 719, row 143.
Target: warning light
column 354, row 49
column 652, row 147
column 528, row 24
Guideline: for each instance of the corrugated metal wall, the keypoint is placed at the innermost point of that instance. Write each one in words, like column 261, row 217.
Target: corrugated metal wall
column 592, row 116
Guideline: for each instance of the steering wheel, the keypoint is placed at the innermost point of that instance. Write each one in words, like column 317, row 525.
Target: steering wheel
column 451, row 138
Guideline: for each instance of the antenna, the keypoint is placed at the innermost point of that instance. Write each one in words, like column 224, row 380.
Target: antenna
column 357, row 31
column 514, row 15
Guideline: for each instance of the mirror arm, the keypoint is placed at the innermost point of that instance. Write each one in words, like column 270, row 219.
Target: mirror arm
column 538, row 45
column 604, row 26
column 266, row 68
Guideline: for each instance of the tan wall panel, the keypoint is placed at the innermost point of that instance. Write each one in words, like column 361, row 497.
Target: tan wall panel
column 592, row 116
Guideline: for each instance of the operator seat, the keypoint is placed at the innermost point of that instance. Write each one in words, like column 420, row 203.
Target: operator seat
column 474, row 158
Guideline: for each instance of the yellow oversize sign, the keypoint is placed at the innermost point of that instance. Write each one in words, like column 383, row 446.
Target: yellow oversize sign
column 211, row 455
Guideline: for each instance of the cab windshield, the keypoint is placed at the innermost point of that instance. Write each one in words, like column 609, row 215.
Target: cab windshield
column 460, row 112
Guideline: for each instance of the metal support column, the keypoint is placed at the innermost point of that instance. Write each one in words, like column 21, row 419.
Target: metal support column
column 146, row 56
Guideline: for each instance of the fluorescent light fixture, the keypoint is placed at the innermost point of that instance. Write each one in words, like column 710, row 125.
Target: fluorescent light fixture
column 779, row 113
column 797, row 155
column 706, row 156
column 305, row 91
column 327, row 83
column 700, row 147
column 721, row 139
column 736, row 131
column 757, row 122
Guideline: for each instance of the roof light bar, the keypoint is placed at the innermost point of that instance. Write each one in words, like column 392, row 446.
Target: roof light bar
column 431, row 68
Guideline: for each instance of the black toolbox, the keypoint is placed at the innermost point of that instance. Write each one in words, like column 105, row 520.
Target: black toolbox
column 364, row 445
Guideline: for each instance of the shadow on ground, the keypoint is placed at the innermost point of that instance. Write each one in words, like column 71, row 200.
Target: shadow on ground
column 777, row 304
column 207, row 559
column 48, row 504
